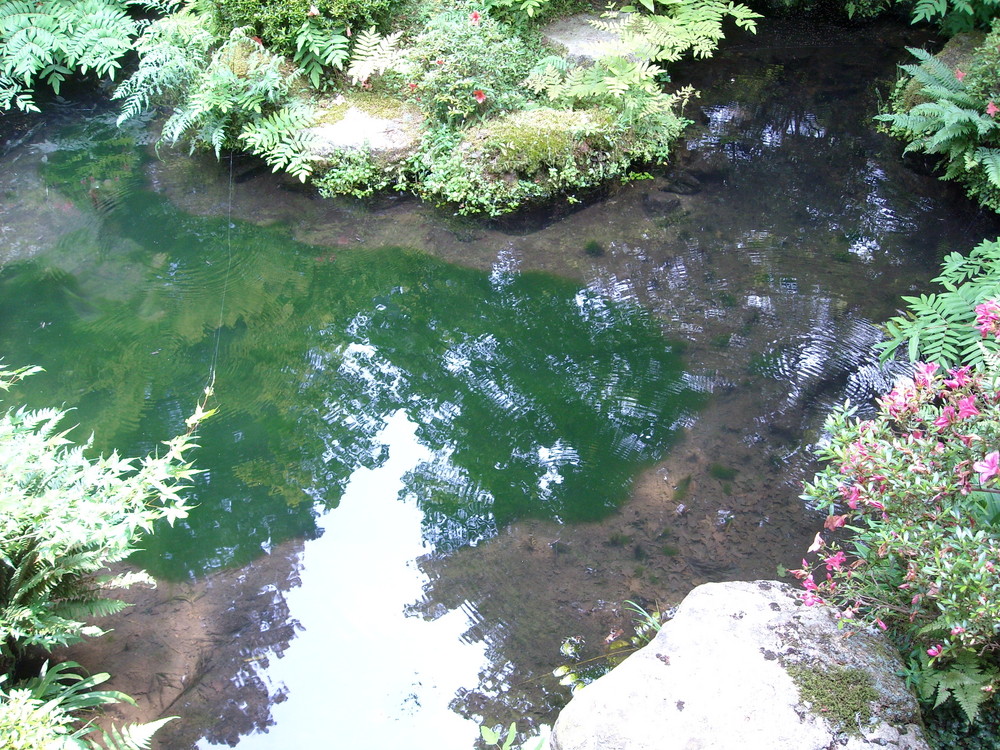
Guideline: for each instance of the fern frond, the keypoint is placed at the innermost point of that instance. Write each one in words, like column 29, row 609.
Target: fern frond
column 373, row 54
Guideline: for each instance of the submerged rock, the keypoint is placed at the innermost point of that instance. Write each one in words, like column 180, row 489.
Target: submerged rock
column 745, row 664
column 579, row 40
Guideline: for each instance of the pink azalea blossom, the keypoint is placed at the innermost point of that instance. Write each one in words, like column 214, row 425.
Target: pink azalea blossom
column 959, row 74
column 958, row 629
column 947, row 417
column 312, row 12
column 835, row 562
column 988, row 319
column 809, row 599
column 989, row 467
column 992, row 109
column 881, row 624
column 479, row 95
column 923, row 372
column 959, row 377
column 967, row 407
column 474, row 18
column 935, row 650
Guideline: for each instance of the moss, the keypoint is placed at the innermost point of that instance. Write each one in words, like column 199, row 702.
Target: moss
column 723, row 473
column 618, row 539
column 682, row 488
column 594, row 249
column 373, row 104
column 841, row 695
column 528, row 141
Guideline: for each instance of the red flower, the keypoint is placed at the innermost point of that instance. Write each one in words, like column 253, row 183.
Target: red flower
column 258, row 40
column 959, row 74
column 992, row 109
column 439, row 61
column 474, row 17
column 479, row 96
column 413, row 86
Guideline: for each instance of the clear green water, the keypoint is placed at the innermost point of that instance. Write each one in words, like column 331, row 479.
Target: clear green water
column 535, row 398
column 404, row 609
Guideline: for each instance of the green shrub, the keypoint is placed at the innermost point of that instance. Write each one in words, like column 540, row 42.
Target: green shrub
column 919, row 485
column 277, row 22
column 954, row 116
column 463, row 68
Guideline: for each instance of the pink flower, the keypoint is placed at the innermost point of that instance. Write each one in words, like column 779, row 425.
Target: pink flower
column 413, row 86
column 992, row 109
column 439, row 61
column 479, row 96
column 809, row 599
column 817, row 544
column 880, row 624
column 947, row 417
column 988, row 319
column 834, row 522
column 959, row 377
column 988, row 467
column 312, row 12
column 474, row 17
column 967, row 407
column 923, row 372
column 959, row 74
column 935, row 650
column 957, row 630
column 834, row 562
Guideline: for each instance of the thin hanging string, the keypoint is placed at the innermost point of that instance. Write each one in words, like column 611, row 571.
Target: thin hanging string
column 209, row 389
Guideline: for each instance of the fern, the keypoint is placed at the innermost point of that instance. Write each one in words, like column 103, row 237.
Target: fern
column 317, row 48
column 282, row 139
column 374, row 54
column 50, row 39
column 963, row 680
column 172, row 53
column 940, row 327
column 129, row 737
column 951, row 122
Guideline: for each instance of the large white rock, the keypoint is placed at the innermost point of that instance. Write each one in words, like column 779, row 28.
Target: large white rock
column 715, row 678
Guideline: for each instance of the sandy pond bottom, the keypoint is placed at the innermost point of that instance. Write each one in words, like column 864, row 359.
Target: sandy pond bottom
column 802, row 231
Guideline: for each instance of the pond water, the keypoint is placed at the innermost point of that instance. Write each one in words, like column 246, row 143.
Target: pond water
column 443, row 446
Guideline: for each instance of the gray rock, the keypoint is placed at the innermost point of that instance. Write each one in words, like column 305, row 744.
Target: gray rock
column 577, row 39
column 717, row 677
column 391, row 139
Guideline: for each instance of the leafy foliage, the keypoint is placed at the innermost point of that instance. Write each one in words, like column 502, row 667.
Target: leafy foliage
column 236, row 94
column 283, row 140
column 374, row 54
column 317, row 47
column 173, row 52
column 63, row 518
column 963, row 680
column 941, row 327
column 954, row 119
column 956, row 15
column 917, row 485
column 48, row 40
column 279, row 23
column 43, row 712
